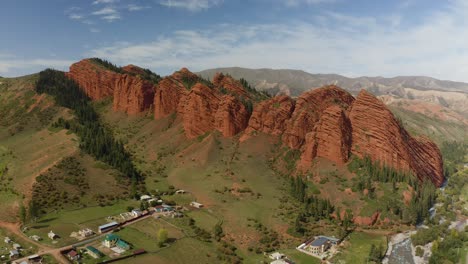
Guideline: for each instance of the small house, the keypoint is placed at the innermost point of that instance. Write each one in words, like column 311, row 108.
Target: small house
column 180, row 191
column 52, row 235
column 145, row 197
column 7, row 240
column 282, row 261
column 35, row 259
column 94, row 252
column 122, row 245
column 111, row 240
column 16, row 246
column 86, row 232
column 108, row 227
column 196, row 205
column 73, row 255
column 318, row 246
column 276, row 256
column 36, row 238
column 14, row 254
column 136, row 213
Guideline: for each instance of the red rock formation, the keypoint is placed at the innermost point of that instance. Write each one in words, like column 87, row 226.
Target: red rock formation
column 169, row 93
column 331, row 138
column 309, row 108
column 198, row 113
column 232, row 116
column 377, row 134
column 230, row 84
column 131, row 94
column 270, row 116
column 96, row 81
column 132, row 69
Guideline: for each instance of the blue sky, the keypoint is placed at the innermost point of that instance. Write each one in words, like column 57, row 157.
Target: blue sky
column 349, row 37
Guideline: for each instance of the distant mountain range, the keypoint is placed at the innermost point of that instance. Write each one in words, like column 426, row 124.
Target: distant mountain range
column 297, row 81
column 453, row 95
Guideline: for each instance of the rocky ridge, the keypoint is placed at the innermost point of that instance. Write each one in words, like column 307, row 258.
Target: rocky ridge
column 326, row 122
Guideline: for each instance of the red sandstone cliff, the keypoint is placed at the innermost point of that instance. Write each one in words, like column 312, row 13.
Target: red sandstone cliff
column 131, row 94
column 309, row 107
column 326, row 122
column 377, row 134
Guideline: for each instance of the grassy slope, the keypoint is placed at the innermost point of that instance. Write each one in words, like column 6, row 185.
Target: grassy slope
column 26, row 145
column 436, row 129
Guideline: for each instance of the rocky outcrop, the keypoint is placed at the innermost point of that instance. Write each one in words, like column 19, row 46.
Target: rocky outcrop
column 232, row 116
column 131, row 94
column 378, row 134
column 198, row 113
column 270, row 116
column 96, row 81
column 309, row 108
column 330, row 139
column 326, row 122
column 230, row 84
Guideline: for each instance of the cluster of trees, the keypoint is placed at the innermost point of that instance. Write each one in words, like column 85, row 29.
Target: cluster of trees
column 95, row 138
column 453, row 153
column 107, row 64
column 376, row 254
column 450, row 249
column 423, row 199
column 258, row 95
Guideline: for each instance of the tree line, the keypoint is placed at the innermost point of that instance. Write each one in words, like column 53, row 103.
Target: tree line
column 424, row 191
column 95, row 138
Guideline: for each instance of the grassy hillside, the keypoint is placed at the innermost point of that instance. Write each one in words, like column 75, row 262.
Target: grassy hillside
column 27, row 146
column 436, row 129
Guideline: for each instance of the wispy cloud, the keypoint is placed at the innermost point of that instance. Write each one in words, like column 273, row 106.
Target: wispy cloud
column 75, row 16
column 97, row 2
column 307, row 2
column 192, row 5
column 134, row 7
column 358, row 46
column 108, row 13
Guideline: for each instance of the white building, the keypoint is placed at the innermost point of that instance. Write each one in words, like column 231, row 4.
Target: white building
column 145, row 197
column 52, row 235
column 196, row 205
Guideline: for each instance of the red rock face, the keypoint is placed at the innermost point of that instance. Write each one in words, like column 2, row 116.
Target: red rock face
column 130, row 93
column 232, row 116
column 230, row 84
column 270, row 116
column 326, row 122
column 309, row 108
column 198, row 113
column 169, row 93
column 330, row 139
column 96, row 81
column 377, row 134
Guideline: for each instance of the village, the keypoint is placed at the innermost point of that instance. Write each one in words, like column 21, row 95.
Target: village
column 102, row 244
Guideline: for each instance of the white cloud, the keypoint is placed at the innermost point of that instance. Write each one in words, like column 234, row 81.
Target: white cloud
column 192, row 5
column 75, row 16
column 105, row 11
column 357, row 46
column 94, row 30
column 97, row 2
column 307, row 2
column 134, row 7
column 110, row 14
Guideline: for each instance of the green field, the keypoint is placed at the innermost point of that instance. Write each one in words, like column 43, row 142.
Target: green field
column 357, row 247
column 63, row 222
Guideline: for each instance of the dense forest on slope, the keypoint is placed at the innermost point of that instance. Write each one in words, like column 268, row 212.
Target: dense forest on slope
column 96, row 139
column 423, row 199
